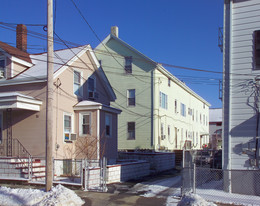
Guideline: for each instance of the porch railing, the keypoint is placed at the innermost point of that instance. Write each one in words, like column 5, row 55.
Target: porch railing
column 18, row 151
column 16, row 147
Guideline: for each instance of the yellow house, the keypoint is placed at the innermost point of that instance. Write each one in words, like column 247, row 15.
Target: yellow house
column 159, row 112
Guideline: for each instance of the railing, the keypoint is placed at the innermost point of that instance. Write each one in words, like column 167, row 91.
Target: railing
column 17, row 151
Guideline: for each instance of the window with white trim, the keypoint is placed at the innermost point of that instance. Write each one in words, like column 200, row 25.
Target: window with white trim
column 183, row 110
column 67, row 126
column 77, row 83
column 2, row 66
column 108, row 126
column 130, row 130
column 176, row 106
column 84, row 124
column 131, row 97
column 163, row 100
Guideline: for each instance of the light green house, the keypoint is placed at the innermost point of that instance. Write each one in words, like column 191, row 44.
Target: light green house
column 159, row 112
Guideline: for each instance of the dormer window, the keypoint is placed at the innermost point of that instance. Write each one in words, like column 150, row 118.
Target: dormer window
column 128, row 65
column 2, row 67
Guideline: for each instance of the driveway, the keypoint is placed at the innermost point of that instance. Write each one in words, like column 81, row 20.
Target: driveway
column 150, row 191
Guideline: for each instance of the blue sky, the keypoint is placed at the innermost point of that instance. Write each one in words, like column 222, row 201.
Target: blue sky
column 182, row 33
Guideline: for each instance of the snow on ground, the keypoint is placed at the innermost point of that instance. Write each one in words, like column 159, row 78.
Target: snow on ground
column 229, row 198
column 193, row 200
column 58, row 196
column 153, row 188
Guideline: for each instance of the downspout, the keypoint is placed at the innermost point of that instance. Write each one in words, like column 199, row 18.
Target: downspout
column 257, row 79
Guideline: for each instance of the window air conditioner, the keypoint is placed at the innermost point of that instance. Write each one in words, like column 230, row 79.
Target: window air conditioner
column 70, row 136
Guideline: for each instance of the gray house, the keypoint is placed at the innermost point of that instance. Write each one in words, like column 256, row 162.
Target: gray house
column 241, row 65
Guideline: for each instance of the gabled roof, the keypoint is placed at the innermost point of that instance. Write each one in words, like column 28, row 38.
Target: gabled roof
column 15, row 52
column 62, row 60
column 110, row 36
column 157, row 66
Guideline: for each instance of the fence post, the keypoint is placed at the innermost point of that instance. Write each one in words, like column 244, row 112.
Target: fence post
column 194, row 178
column 29, row 167
column 81, row 172
column 53, row 168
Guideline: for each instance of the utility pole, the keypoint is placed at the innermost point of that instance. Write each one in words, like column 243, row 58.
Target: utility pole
column 49, row 99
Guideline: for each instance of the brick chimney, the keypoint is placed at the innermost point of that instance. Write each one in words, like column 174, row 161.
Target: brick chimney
column 114, row 31
column 21, row 37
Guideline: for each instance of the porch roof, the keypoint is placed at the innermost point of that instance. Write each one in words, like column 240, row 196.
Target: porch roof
column 90, row 105
column 16, row 100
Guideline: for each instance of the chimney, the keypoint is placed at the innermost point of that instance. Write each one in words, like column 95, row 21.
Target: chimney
column 114, row 31
column 21, row 37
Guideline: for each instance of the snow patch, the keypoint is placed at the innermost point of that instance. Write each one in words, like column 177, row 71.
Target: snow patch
column 58, row 196
column 194, row 200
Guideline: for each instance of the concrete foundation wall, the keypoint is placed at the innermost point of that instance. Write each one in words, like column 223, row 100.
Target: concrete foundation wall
column 158, row 161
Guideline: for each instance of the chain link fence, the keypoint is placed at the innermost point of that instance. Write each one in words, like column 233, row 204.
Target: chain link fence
column 213, row 184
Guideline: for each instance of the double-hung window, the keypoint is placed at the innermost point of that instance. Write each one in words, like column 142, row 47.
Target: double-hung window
column 131, row 130
column 131, row 97
column 85, row 124
column 77, row 83
column 163, row 100
column 183, row 110
column 67, row 126
column 108, row 122
column 128, row 65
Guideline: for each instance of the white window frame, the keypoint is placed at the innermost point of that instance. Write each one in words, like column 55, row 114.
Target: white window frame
column 128, row 94
column 80, row 84
column 110, row 124
column 72, row 124
column 4, row 69
column 165, row 97
column 81, row 114
column 183, row 110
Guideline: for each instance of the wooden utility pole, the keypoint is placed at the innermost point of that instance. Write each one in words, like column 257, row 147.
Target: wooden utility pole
column 49, row 99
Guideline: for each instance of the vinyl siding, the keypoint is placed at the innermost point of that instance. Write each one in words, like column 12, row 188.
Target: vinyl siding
column 241, row 126
column 141, row 81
